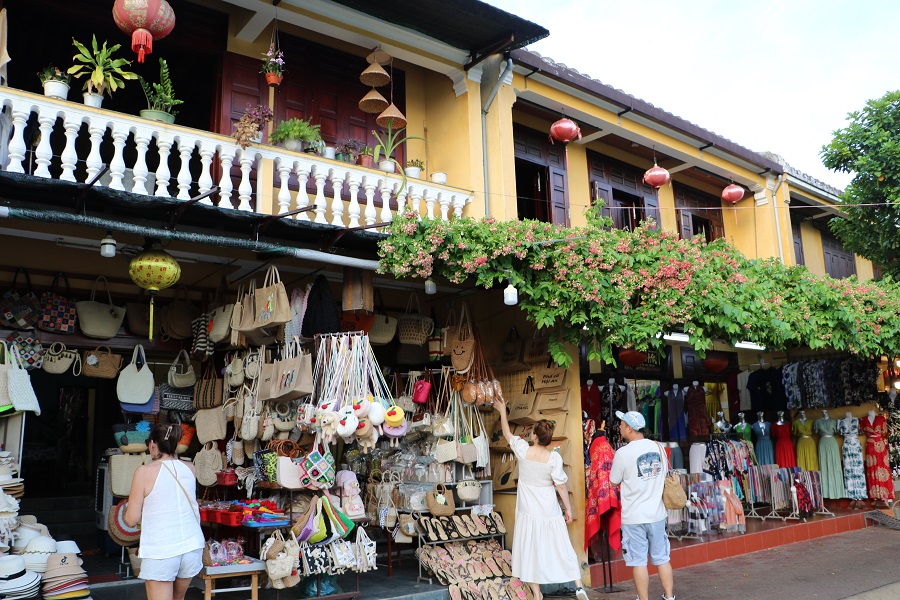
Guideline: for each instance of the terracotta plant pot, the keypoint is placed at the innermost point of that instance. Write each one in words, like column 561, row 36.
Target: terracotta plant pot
column 632, row 358
column 274, row 78
column 366, row 160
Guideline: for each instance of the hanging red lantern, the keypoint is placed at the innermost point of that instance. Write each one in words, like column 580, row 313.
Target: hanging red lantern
column 565, row 130
column 733, row 193
column 631, row 357
column 715, row 362
column 145, row 20
column 656, row 176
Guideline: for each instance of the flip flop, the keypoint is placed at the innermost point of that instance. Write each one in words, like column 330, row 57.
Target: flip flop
column 470, row 525
column 492, row 565
column 498, row 521
column 454, row 592
column 442, row 534
column 480, row 525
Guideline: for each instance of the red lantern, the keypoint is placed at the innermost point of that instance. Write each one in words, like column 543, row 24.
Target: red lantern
column 632, row 358
column 733, row 193
column 145, row 20
column 565, row 130
column 715, row 362
column 656, row 176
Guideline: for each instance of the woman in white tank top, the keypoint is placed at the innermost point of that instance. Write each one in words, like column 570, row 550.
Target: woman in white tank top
column 164, row 501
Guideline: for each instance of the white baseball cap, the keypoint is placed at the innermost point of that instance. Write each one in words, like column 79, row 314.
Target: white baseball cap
column 634, row 419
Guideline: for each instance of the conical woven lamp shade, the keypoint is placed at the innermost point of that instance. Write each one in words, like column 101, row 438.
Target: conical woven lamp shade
column 373, row 102
column 375, row 76
column 391, row 117
column 379, row 56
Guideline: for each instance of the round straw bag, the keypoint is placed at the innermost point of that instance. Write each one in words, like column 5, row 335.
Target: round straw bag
column 414, row 327
column 440, row 501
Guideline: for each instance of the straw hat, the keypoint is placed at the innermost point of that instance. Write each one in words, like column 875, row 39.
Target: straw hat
column 373, row 102
column 375, row 76
column 67, row 547
column 391, row 117
column 121, row 533
column 6, row 477
column 15, row 580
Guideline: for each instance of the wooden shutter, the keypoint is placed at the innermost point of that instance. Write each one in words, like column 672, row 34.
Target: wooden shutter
column 559, row 199
column 242, row 86
column 651, row 207
column 798, row 245
column 602, row 191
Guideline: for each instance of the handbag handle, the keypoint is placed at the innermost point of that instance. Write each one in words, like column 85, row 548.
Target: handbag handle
column 272, row 276
column 513, row 335
column 65, row 279
column 94, row 288
column 409, row 302
column 465, row 323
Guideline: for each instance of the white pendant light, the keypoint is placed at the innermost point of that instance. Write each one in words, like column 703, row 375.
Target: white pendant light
column 108, row 246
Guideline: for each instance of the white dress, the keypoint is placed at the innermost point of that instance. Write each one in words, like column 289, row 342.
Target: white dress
column 542, row 552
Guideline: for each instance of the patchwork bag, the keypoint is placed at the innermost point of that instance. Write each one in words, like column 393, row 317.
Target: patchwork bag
column 319, row 466
column 57, row 311
column 19, row 309
column 31, row 352
column 99, row 319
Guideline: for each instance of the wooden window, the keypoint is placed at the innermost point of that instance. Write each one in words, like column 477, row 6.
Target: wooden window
column 839, row 263
column 798, row 244
column 627, row 200
column 699, row 213
column 541, row 178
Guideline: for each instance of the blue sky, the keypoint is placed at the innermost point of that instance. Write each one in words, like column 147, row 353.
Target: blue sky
column 769, row 75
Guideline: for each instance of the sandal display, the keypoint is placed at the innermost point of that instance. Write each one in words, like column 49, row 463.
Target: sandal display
column 498, row 521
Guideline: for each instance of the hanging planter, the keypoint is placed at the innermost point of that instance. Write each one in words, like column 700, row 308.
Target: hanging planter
column 273, row 59
column 274, row 78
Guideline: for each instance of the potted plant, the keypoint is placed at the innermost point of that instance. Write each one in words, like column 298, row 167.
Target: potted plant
column 55, row 82
column 439, row 177
column 388, row 141
column 160, row 97
column 105, row 73
column 348, row 150
column 273, row 65
column 414, row 167
column 298, row 135
column 366, row 157
column 247, row 129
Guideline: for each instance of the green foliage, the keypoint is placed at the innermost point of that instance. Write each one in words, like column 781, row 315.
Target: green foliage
column 870, row 147
column 161, row 96
column 298, row 129
column 416, row 163
column 105, row 73
column 622, row 288
column 51, row 73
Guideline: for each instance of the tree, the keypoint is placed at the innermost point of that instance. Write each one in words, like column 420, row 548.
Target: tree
column 870, row 147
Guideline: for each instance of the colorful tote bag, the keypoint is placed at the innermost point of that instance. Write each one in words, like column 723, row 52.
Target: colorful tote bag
column 57, row 311
column 319, row 467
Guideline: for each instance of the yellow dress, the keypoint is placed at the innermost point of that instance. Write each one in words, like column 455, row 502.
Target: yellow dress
column 713, row 402
column 807, row 455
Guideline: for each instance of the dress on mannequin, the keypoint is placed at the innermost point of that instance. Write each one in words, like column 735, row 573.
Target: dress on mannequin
column 676, row 455
column 765, row 453
column 695, row 402
column 714, row 392
column 697, row 457
column 830, row 460
column 878, row 468
column 784, row 448
column 854, row 475
column 744, row 430
column 675, row 398
column 615, row 394
column 591, row 400
column 807, row 457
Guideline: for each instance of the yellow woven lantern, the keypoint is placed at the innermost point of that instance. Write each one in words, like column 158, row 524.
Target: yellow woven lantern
column 154, row 270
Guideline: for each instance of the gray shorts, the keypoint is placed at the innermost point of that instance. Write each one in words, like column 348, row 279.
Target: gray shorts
column 642, row 539
column 183, row 566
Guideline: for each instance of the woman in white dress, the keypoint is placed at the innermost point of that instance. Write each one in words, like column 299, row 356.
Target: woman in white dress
column 542, row 552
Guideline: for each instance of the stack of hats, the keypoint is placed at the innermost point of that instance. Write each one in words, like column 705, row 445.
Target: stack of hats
column 9, row 513
column 37, row 552
column 13, row 486
column 16, row 582
column 64, row 578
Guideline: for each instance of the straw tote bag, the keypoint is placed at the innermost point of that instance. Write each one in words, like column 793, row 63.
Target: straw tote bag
column 293, row 374
column 511, row 353
column 97, row 319
column 674, row 496
column 58, row 359
column 135, row 385
column 220, row 316
column 211, row 424
column 462, row 346
column 414, row 327
column 208, row 391
column 270, row 302
column 384, row 328
column 440, row 501
column 208, row 462
column 101, row 363
column 18, row 383
column 121, row 472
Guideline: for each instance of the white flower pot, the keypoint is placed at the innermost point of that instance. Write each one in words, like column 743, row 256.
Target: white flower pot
column 386, row 165
column 439, row 177
column 56, row 89
column 329, row 152
column 413, row 172
column 293, row 145
column 157, row 115
column 94, row 100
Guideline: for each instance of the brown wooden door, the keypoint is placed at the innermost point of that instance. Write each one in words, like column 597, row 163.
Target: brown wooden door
column 242, row 86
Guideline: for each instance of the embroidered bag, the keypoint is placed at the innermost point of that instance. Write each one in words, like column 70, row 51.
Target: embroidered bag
column 57, row 311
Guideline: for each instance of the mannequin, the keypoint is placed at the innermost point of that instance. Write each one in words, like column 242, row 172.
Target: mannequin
column 807, row 457
column 878, row 467
column 893, row 395
column 722, row 425
column 612, row 394
column 784, row 448
column 695, row 402
column 829, row 458
column 743, row 428
column 591, row 400
column 854, row 476
column 765, row 453
column 871, row 417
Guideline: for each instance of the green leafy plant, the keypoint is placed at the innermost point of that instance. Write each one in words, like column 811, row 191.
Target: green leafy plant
column 104, row 73
column 51, row 73
column 613, row 287
column 388, row 142
column 161, row 96
column 367, row 150
column 415, row 163
column 249, row 125
column 299, row 129
column 352, row 148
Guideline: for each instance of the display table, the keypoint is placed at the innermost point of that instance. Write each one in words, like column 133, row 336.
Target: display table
column 210, row 574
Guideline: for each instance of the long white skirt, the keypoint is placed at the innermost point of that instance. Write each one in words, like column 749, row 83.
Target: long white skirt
column 542, row 552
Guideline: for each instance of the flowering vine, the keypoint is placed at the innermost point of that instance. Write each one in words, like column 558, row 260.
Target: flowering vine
column 625, row 288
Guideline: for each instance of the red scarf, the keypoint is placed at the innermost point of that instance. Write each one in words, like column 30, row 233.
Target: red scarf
column 602, row 497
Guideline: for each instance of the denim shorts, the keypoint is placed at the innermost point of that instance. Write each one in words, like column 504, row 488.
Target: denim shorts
column 642, row 539
column 183, row 566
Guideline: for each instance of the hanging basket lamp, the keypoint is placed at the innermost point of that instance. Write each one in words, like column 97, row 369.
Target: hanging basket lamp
column 565, row 130
column 373, row 102
column 154, row 270
column 391, row 117
column 145, row 20
column 375, row 76
column 733, row 193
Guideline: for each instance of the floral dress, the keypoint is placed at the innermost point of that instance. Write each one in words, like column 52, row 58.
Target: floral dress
column 878, row 468
column 854, row 475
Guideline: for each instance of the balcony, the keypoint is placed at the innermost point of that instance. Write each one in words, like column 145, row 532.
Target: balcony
column 73, row 142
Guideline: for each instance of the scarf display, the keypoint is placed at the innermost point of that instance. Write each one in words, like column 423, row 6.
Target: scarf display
column 603, row 498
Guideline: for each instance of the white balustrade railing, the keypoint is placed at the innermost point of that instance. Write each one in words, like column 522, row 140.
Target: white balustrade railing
column 151, row 158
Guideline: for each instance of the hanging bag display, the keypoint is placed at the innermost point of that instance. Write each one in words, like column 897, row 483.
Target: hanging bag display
column 135, row 385
column 506, row 476
column 319, row 466
column 468, row 489
column 31, row 351
column 57, row 311
column 181, row 375
column 19, row 391
column 293, row 373
column 121, row 472
column 177, row 399
column 19, row 309
column 137, row 317
column 462, row 352
column 449, row 332
column 211, row 424
column 101, row 363
column 98, row 319
column 384, row 328
column 58, row 360
column 270, row 302
column 298, row 300
column 674, row 496
column 209, row 389
column 220, row 316
column 414, row 327
column 537, row 350
column 177, row 318
column 208, row 462
column 511, row 353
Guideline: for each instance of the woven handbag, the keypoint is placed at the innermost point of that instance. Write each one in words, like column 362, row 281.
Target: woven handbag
column 182, row 375
column 57, row 311
column 135, row 384
column 19, row 309
column 211, row 424
column 58, row 360
column 101, row 363
column 31, row 351
column 99, row 319
column 209, row 390
column 462, row 345
column 178, row 316
column 178, row 399
column 319, row 466
column 468, row 489
column 220, row 316
column 674, row 496
column 440, row 501
column 511, row 353
column 137, row 317
column 414, row 327
column 121, row 472
column 208, row 462
column 18, row 383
